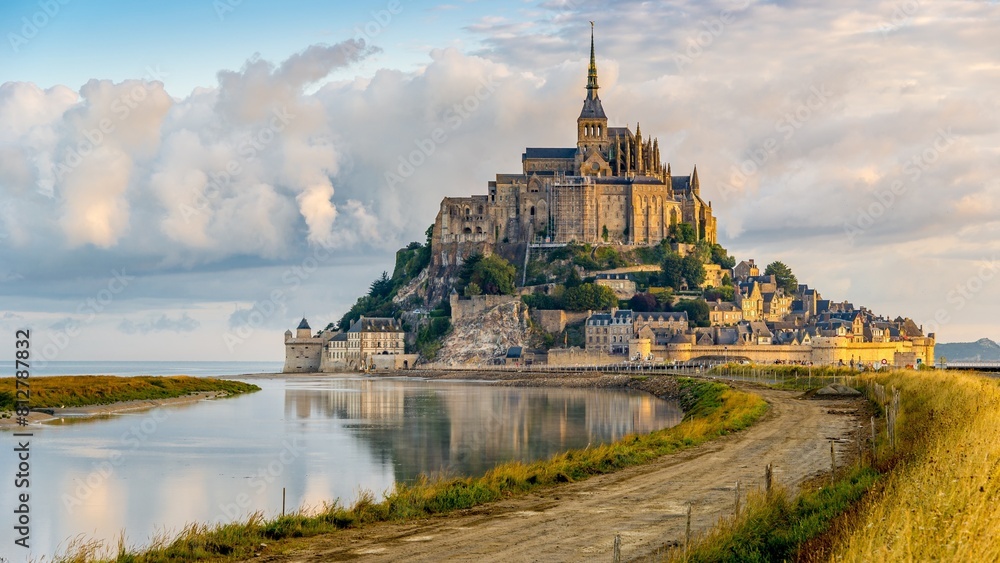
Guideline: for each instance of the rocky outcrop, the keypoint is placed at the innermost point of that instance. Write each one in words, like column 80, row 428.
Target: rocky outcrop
column 480, row 339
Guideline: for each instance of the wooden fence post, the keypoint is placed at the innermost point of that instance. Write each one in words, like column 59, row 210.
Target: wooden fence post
column 687, row 533
column 618, row 548
column 736, row 511
column 873, row 439
column 833, row 462
column 767, row 479
column 861, row 453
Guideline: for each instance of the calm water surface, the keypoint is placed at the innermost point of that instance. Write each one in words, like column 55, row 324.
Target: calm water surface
column 321, row 438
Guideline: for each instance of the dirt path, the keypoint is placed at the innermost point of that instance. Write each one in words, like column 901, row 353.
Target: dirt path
column 646, row 504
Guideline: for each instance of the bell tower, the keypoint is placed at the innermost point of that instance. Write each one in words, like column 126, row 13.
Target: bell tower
column 592, row 125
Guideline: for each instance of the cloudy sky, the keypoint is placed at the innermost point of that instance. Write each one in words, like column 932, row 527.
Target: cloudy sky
column 186, row 180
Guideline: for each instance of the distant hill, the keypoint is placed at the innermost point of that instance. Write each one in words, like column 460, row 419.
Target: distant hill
column 983, row 349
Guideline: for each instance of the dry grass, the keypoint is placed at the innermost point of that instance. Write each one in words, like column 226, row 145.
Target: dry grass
column 931, row 498
column 940, row 502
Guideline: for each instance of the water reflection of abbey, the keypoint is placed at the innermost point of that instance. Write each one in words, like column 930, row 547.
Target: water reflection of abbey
column 467, row 429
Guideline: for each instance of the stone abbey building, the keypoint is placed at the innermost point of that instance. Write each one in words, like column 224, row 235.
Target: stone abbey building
column 612, row 187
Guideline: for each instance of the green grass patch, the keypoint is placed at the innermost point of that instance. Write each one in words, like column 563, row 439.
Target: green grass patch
column 715, row 409
column 773, row 528
column 85, row 390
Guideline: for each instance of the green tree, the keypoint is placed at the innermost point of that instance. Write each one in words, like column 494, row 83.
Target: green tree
column 493, row 274
column 473, row 289
column 430, row 337
column 642, row 303
column 573, row 279
column 703, row 251
column 683, row 233
column 664, row 299
column 784, row 276
column 672, row 270
column 693, row 270
column 722, row 258
column 604, row 233
column 725, row 293
column 589, row 296
column 696, row 309
column 381, row 287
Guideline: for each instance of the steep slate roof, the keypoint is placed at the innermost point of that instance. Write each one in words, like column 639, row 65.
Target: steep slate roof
column 727, row 336
column 759, row 328
column 304, row 324
column 619, row 132
column 593, row 108
column 375, row 324
column 546, row 152
column 661, row 316
column 681, row 338
column 680, row 183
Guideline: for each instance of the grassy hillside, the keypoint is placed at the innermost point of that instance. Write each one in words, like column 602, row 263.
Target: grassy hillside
column 83, row 390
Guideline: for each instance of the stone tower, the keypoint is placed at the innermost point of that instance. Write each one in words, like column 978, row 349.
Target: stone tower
column 303, row 331
column 592, row 125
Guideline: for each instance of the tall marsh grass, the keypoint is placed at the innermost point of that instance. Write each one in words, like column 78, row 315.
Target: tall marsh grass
column 84, row 390
column 932, row 497
column 940, row 502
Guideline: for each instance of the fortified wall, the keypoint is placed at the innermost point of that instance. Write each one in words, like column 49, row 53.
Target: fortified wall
column 463, row 308
column 822, row 351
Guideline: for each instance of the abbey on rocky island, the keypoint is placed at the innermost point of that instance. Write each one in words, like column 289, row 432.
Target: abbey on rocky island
column 611, row 188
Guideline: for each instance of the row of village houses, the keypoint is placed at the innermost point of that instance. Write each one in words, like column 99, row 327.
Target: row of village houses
column 760, row 315
column 614, row 330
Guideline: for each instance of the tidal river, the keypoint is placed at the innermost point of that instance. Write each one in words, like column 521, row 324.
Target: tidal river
column 318, row 438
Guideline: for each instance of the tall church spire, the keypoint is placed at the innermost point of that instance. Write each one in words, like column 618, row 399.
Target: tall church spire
column 592, row 72
column 592, row 108
column 592, row 125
